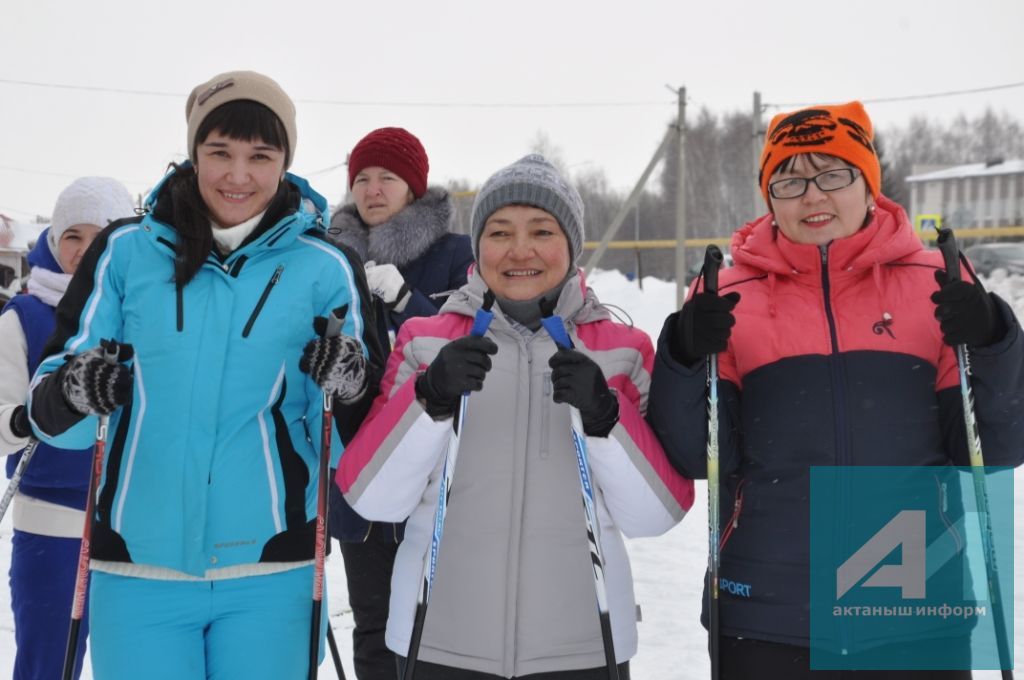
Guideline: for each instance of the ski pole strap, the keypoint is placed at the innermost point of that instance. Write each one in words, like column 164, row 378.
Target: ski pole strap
column 554, row 325
column 713, row 259
column 950, row 254
column 484, row 316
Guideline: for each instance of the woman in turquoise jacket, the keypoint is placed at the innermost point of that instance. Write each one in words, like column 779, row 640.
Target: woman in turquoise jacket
column 205, row 517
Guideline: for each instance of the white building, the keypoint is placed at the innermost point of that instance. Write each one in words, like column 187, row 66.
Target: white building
column 976, row 195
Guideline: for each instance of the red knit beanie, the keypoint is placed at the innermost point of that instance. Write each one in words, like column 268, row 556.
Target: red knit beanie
column 394, row 149
column 843, row 131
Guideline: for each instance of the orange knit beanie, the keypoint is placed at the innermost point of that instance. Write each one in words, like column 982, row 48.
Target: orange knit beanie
column 843, row 131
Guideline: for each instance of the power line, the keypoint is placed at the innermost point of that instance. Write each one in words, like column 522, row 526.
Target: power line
column 336, row 102
column 910, row 97
column 49, row 173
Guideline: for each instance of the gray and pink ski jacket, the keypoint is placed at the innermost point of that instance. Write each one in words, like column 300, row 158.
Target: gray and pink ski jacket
column 514, row 590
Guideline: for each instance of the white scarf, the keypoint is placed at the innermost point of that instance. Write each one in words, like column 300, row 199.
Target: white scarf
column 48, row 286
column 229, row 238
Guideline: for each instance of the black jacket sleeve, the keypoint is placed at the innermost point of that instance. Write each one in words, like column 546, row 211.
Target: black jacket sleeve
column 997, row 383
column 348, row 417
column 677, row 410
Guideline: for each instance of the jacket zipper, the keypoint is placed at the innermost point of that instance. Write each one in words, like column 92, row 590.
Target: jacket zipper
column 180, row 304
column 263, row 300
column 839, row 406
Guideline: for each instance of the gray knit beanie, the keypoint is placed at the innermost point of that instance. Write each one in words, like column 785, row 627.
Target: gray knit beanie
column 234, row 85
column 531, row 181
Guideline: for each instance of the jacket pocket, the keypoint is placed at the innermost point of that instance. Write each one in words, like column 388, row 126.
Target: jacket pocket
column 262, row 301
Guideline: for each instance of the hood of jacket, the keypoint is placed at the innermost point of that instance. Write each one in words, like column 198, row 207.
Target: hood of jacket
column 888, row 237
column 41, row 255
column 404, row 237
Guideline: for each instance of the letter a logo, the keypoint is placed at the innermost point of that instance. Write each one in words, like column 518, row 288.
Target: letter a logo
column 907, row 529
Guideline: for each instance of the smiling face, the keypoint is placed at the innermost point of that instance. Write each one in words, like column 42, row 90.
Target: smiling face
column 523, row 252
column 73, row 243
column 819, row 217
column 237, row 179
column 379, row 195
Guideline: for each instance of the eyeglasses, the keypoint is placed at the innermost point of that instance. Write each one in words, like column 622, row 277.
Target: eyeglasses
column 830, row 180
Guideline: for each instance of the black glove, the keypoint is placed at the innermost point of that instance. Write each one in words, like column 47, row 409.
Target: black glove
column 578, row 381
column 336, row 364
column 91, row 385
column 20, row 426
column 702, row 326
column 459, row 367
column 967, row 314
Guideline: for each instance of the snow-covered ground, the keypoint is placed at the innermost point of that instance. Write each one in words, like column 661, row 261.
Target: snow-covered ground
column 668, row 570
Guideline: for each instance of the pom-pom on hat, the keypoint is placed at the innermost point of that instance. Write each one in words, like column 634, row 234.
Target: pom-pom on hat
column 843, row 131
column 88, row 200
column 394, row 149
column 531, row 180
column 235, row 85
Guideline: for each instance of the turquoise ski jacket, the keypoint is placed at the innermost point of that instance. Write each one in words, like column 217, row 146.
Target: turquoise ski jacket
column 213, row 463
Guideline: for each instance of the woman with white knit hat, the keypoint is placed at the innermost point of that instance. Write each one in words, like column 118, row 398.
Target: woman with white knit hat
column 48, row 506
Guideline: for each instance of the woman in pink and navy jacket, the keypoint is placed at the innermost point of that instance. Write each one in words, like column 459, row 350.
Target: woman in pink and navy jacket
column 514, row 595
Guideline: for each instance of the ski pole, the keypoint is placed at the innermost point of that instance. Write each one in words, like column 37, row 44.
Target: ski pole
column 334, row 323
column 556, row 329
column 19, row 472
column 333, row 644
column 951, row 257
column 481, row 322
column 111, row 350
column 712, row 262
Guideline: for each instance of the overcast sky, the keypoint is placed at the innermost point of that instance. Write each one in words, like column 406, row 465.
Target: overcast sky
column 476, row 81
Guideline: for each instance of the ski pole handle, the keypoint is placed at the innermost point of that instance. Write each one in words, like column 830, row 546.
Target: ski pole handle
column 335, row 322
column 484, row 316
column 713, row 259
column 950, row 253
column 554, row 325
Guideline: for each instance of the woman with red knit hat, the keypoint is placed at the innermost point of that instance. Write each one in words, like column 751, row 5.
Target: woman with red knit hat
column 835, row 334
column 400, row 227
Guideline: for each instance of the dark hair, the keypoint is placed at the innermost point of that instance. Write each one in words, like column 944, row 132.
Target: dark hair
column 816, row 161
column 243, row 120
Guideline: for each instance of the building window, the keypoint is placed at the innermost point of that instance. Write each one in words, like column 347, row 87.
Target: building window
column 960, row 184
column 974, row 189
column 1004, row 187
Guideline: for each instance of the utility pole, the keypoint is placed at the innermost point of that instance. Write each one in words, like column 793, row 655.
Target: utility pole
column 634, row 196
column 681, row 202
column 755, row 145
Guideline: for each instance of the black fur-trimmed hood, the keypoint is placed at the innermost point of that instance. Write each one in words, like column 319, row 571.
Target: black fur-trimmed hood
column 401, row 239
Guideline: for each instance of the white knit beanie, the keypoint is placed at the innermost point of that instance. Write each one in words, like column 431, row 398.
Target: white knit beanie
column 88, row 200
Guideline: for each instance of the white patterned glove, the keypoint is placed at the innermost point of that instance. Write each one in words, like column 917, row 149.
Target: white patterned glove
column 387, row 283
column 335, row 363
column 95, row 382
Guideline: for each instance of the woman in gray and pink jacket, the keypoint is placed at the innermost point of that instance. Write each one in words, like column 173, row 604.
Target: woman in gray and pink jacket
column 514, row 595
